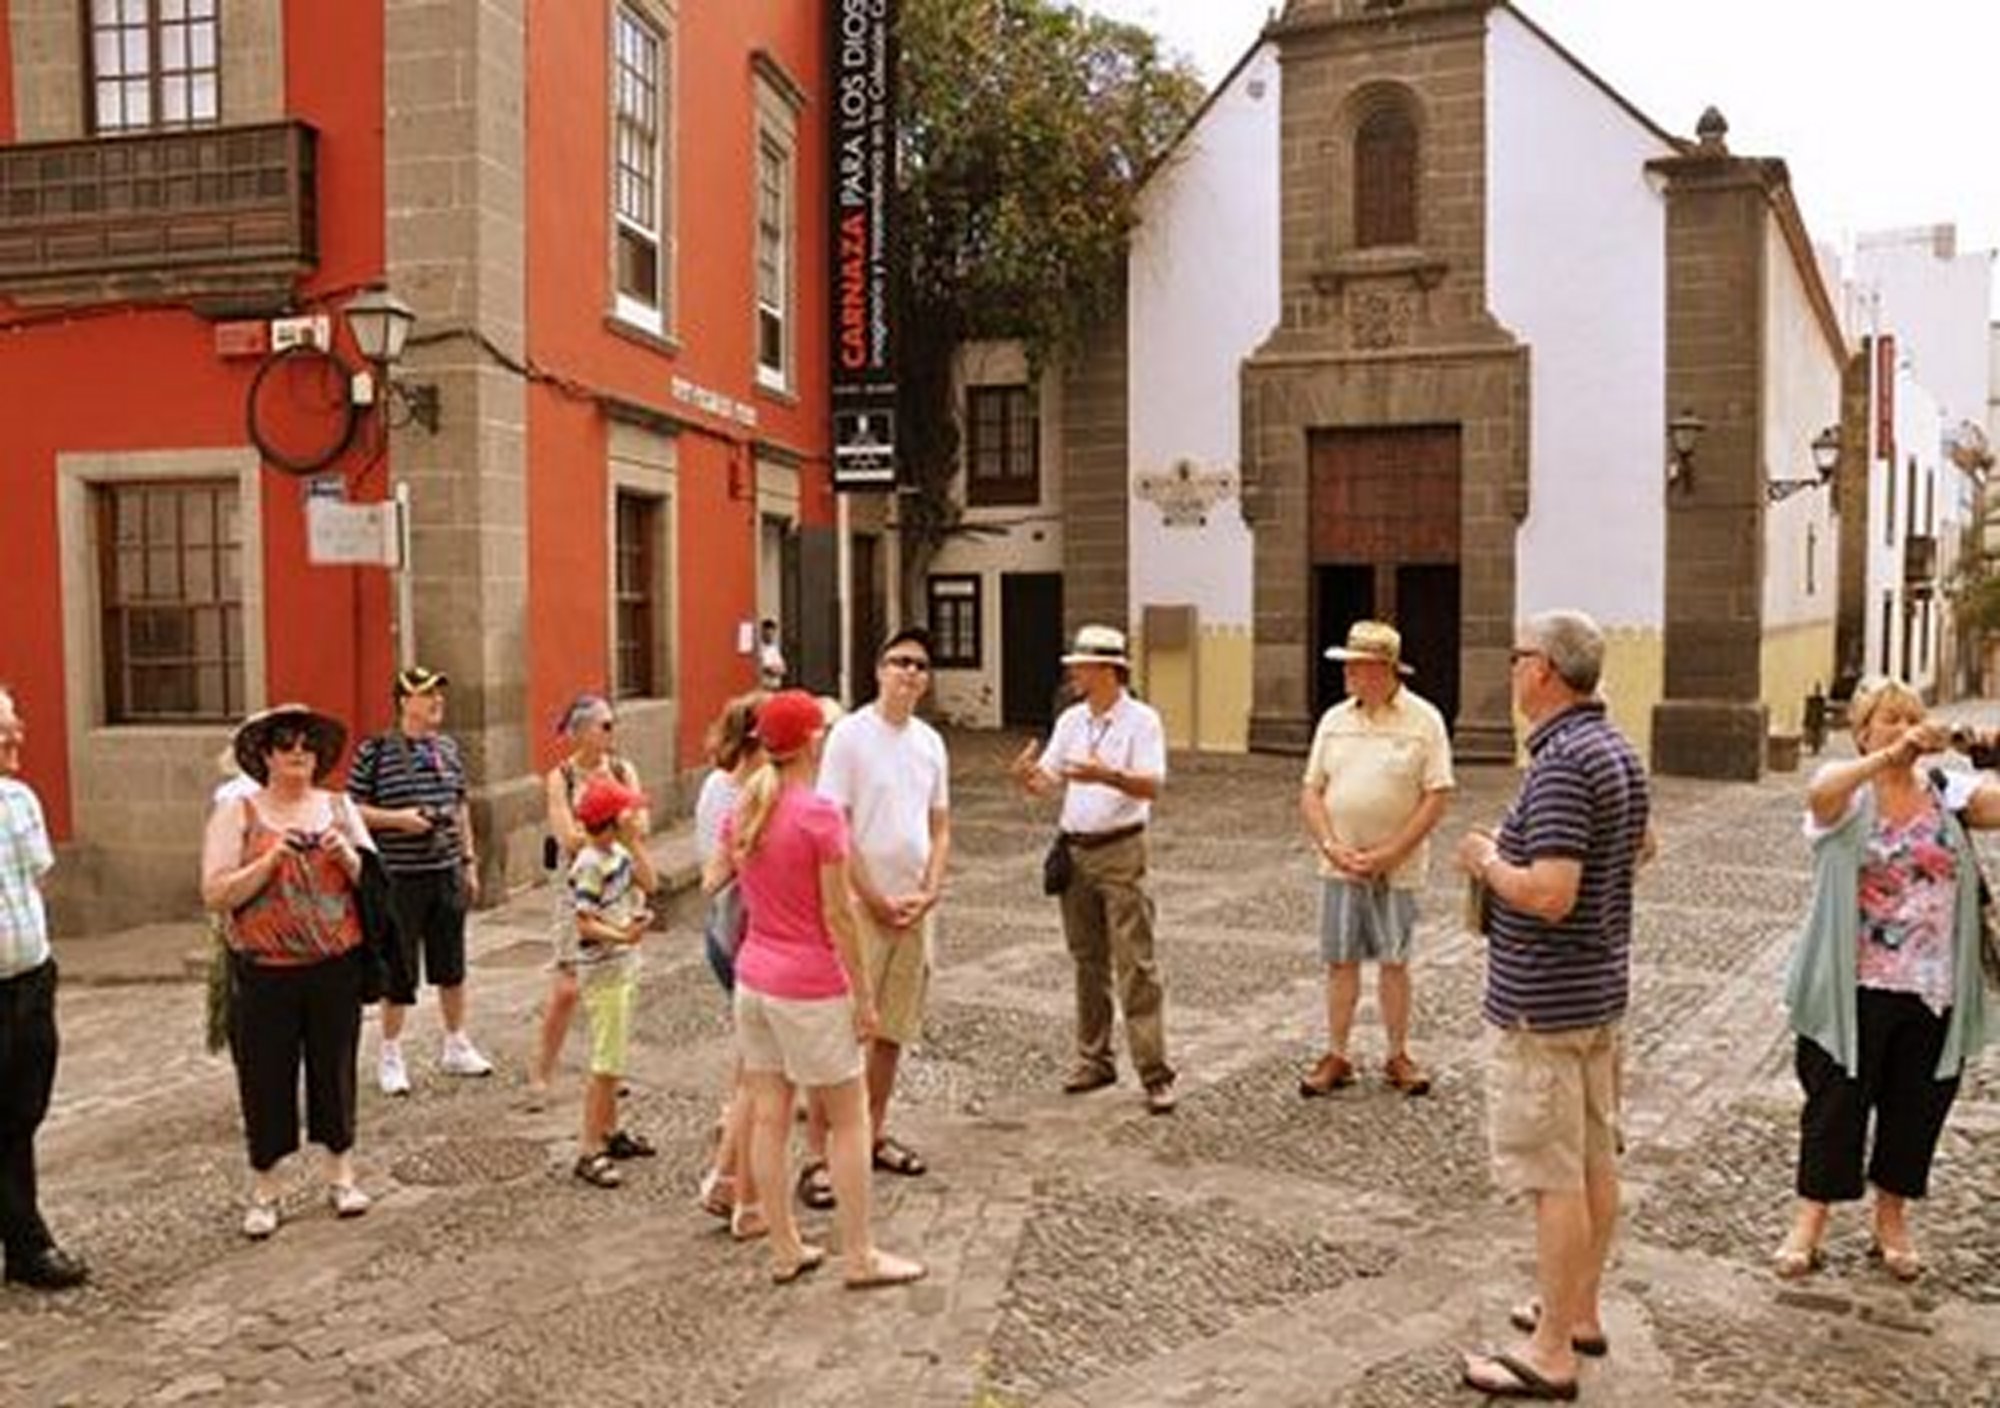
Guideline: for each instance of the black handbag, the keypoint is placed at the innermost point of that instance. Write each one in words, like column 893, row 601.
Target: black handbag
column 1058, row 866
column 380, row 933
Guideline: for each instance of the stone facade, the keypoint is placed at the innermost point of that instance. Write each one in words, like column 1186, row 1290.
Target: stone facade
column 1383, row 337
column 1097, row 497
column 456, row 181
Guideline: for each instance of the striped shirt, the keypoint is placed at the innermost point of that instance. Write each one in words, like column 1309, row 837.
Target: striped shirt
column 25, row 857
column 1585, row 799
column 393, row 771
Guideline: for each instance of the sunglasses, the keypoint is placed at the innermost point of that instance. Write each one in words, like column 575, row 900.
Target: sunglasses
column 290, row 743
column 1517, row 655
column 905, row 662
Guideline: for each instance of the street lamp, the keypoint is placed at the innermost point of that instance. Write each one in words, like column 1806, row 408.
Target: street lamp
column 1825, row 458
column 1683, row 434
column 380, row 324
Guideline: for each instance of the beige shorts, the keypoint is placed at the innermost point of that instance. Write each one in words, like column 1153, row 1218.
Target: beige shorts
column 899, row 969
column 1552, row 1103
column 808, row 1042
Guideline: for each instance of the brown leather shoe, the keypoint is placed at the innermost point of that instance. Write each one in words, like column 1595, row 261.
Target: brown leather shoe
column 1087, row 1078
column 1334, row 1072
column 1406, row 1076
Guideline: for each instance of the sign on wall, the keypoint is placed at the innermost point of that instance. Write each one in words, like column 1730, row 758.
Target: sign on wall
column 862, row 58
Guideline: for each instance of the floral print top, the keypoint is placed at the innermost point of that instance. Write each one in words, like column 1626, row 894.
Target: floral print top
column 1909, row 890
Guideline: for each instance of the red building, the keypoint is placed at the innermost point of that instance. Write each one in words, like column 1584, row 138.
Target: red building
column 604, row 216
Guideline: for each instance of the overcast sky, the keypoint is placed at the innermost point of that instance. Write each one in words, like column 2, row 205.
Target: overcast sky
column 1887, row 113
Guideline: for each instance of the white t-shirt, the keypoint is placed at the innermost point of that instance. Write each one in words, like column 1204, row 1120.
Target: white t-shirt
column 718, row 794
column 890, row 779
column 1128, row 737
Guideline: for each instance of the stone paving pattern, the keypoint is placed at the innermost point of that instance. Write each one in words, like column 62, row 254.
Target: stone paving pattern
column 1253, row 1249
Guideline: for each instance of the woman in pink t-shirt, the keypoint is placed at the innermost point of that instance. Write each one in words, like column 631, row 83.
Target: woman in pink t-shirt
column 803, row 1003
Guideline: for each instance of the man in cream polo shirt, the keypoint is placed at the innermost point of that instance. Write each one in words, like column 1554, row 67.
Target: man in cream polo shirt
column 1376, row 785
column 1108, row 754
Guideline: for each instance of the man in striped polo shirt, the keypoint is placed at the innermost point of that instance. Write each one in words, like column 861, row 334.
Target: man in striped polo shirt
column 1558, row 971
column 410, row 787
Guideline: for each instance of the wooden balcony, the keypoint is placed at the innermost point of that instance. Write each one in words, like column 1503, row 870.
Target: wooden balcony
column 227, row 213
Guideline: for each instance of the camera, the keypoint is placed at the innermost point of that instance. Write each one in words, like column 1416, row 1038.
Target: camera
column 302, row 840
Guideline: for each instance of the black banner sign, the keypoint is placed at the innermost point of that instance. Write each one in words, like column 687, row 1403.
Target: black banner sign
column 862, row 59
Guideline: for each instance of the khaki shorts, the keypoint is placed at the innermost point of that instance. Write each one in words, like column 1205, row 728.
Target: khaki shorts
column 1552, row 1102
column 899, row 969
column 808, row 1042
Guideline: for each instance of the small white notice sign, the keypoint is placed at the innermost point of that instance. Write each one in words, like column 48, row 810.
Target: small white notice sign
column 349, row 535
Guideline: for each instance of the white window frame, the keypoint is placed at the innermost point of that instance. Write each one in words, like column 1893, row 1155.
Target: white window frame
column 650, row 317
column 777, row 137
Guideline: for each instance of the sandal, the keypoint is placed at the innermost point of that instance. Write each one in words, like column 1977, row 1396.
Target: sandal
column 1523, row 1379
column 622, row 1145
column 900, row 1158
column 1901, row 1262
column 718, row 1194
column 1792, row 1262
column 598, row 1170
column 810, row 1258
column 747, row 1223
column 1528, row 1314
column 886, row 1269
column 816, row 1186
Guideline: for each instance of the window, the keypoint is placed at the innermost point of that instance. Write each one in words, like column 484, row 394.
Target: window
column 1888, row 626
column 636, row 186
column 1385, row 179
column 1812, row 559
column 170, row 583
column 1003, row 462
column 636, row 597
column 774, row 258
column 154, row 64
column 954, row 613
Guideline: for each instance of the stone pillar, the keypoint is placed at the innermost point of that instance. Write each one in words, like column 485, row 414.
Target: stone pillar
column 456, row 173
column 1850, row 495
column 1096, row 481
column 1712, row 721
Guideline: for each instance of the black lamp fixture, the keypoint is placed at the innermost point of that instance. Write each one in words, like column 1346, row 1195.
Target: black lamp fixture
column 1683, row 434
column 1826, row 459
column 380, row 324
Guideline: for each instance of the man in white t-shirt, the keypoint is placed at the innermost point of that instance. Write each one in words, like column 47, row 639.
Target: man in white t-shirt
column 771, row 666
column 1376, row 785
column 1108, row 754
column 889, row 771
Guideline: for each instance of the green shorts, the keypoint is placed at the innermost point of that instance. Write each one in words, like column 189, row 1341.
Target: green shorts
column 607, row 1002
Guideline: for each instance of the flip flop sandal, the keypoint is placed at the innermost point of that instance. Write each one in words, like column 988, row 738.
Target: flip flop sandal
column 816, row 1186
column 1526, row 1381
column 628, row 1146
column 747, row 1223
column 887, row 1270
column 810, row 1258
column 1901, row 1262
column 1790, row 1263
column 895, row 1157
column 1526, row 1316
column 598, row 1171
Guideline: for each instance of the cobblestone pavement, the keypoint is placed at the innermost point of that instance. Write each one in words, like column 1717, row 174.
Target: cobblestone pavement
column 1252, row 1249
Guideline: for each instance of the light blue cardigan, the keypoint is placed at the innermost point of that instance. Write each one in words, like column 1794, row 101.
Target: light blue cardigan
column 1821, row 983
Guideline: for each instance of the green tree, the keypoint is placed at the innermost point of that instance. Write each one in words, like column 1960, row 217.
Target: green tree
column 1026, row 128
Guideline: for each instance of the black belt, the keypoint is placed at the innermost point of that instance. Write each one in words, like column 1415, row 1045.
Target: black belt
column 1088, row 840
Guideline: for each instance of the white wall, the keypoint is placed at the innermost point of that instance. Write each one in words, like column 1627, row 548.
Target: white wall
column 1024, row 538
column 1801, row 398
column 1203, row 287
column 1576, row 267
column 1914, row 284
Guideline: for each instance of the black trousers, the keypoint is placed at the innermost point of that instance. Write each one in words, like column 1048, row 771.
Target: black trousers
column 27, row 1074
column 1901, row 1040
column 278, row 1019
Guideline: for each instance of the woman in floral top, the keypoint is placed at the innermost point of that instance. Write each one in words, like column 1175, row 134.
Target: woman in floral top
column 1884, row 991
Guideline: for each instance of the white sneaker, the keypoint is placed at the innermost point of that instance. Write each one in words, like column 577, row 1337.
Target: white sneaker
column 395, row 1080
column 347, row 1200
column 260, row 1220
column 461, row 1058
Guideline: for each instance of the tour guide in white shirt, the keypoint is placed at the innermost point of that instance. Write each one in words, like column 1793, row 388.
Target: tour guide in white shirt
column 1109, row 755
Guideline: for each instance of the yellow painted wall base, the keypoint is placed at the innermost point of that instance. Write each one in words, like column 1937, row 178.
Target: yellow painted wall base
column 1635, row 680
column 1203, row 694
column 1795, row 661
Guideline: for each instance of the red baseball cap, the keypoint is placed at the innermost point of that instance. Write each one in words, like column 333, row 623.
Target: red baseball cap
column 604, row 801
column 787, row 721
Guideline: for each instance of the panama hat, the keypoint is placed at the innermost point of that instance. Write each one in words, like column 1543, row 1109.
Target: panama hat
column 324, row 734
column 1098, row 645
column 1372, row 640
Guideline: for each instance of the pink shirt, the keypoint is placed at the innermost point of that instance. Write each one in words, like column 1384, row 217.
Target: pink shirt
column 787, row 951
